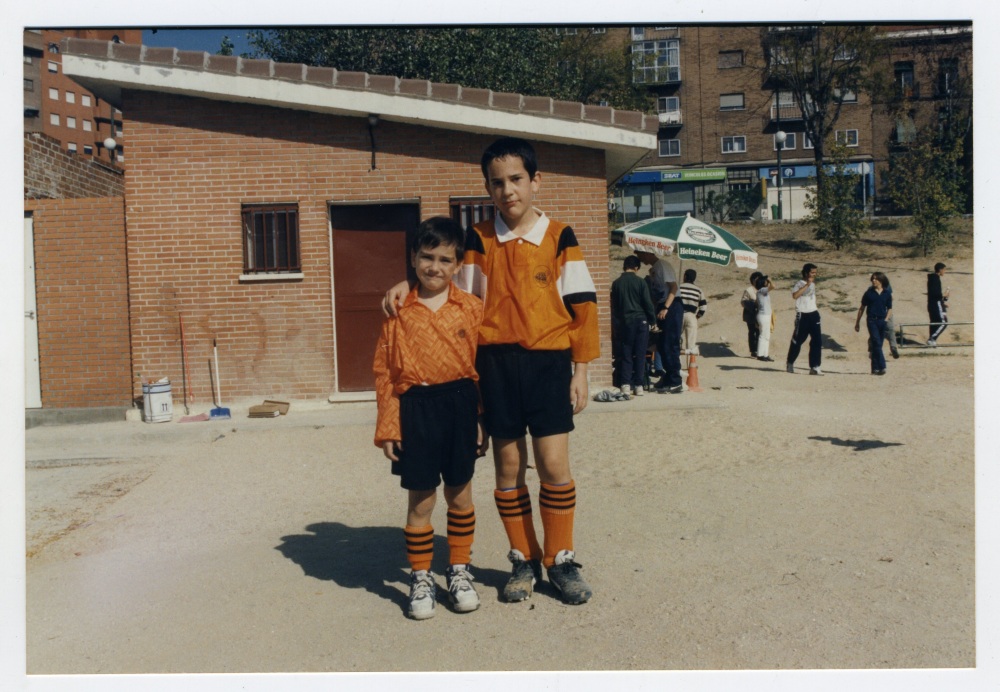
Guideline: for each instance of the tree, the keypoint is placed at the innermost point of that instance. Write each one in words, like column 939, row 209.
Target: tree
column 574, row 66
column 821, row 68
column 836, row 215
column 926, row 179
column 226, row 47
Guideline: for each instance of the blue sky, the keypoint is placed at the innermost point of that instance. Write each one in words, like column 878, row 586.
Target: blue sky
column 208, row 40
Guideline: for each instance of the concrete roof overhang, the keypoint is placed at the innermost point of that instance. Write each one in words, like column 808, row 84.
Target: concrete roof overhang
column 106, row 77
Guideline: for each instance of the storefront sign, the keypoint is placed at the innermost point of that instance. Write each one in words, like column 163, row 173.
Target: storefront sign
column 690, row 175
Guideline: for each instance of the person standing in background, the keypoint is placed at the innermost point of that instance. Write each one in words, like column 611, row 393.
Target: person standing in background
column 937, row 304
column 749, row 304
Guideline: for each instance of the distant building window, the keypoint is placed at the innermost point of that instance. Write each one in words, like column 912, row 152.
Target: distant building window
column 668, row 104
column 28, row 60
column 471, row 211
column 638, row 32
column 845, row 53
column 947, row 76
column 731, row 102
column 789, row 141
column 53, row 93
column 53, row 66
column 86, row 124
column 734, row 145
column 656, row 62
column 848, row 138
column 271, row 238
column 904, row 78
column 85, row 99
column 71, row 147
column 29, row 85
column 849, row 96
column 807, row 143
column 566, row 31
column 71, row 122
column 88, row 149
column 53, row 47
column 598, row 30
column 670, row 147
column 729, row 59
column 70, row 97
column 54, row 119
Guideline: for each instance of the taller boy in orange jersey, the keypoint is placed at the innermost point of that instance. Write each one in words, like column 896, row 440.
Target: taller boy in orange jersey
column 538, row 334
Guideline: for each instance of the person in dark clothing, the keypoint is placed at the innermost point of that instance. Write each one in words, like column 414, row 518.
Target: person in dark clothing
column 669, row 318
column 749, row 305
column 877, row 300
column 937, row 304
column 632, row 312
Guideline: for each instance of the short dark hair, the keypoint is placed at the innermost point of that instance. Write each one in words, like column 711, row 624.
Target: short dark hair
column 510, row 146
column 939, row 266
column 439, row 230
column 690, row 275
column 806, row 268
column 753, row 277
column 631, row 262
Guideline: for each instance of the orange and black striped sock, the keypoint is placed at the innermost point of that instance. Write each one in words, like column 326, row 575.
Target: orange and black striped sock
column 557, row 505
column 419, row 546
column 461, row 531
column 515, row 512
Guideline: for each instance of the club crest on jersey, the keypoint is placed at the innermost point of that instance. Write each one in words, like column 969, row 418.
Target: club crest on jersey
column 541, row 276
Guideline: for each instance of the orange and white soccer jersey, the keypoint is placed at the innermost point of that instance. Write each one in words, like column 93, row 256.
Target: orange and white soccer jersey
column 536, row 289
column 422, row 347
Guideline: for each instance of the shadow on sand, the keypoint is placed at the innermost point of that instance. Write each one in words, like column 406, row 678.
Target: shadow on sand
column 858, row 445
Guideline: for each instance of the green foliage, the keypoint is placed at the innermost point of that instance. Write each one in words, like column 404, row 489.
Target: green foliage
column 836, row 216
column 535, row 61
column 926, row 179
column 729, row 205
column 226, row 47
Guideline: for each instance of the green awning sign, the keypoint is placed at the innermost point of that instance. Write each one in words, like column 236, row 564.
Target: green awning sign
column 694, row 174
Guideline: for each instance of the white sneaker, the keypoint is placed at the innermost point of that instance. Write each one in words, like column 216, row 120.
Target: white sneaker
column 460, row 589
column 627, row 390
column 931, row 343
column 639, row 391
column 815, row 371
column 423, row 593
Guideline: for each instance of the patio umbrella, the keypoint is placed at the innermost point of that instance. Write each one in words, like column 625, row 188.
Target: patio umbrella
column 690, row 239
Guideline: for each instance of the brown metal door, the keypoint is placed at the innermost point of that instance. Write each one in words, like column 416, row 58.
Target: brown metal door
column 369, row 256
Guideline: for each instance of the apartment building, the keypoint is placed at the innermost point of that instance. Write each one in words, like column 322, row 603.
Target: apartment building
column 720, row 117
column 57, row 106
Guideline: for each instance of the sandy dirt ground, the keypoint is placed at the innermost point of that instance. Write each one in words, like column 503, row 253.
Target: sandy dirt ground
column 771, row 521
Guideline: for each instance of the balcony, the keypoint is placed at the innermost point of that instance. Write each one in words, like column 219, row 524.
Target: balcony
column 785, row 111
column 670, row 119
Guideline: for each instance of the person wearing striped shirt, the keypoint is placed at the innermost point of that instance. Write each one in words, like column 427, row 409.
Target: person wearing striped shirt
column 693, row 300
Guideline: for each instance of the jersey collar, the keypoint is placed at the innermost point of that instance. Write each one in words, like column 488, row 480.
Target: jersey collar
column 535, row 236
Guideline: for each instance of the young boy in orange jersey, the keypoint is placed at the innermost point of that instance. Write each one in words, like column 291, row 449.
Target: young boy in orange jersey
column 428, row 411
column 539, row 332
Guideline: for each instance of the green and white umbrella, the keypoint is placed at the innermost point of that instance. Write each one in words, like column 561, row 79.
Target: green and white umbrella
column 689, row 239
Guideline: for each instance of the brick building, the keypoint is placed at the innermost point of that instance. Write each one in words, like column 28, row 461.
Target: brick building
column 268, row 205
column 76, row 291
column 719, row 117
column 61, row 108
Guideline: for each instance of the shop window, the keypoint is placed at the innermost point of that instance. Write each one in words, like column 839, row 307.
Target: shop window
column 270, row 238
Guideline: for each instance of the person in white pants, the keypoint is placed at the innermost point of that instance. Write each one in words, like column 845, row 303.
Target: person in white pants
column 764, row 287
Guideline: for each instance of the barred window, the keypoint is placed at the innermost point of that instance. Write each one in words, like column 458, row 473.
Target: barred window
column 468, row 212
column 271, row 238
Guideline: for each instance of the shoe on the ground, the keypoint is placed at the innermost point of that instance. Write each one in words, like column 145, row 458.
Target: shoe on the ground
column 753, row 354
column 626, row 390
column 423, row 594
column 565, row 576
column 461, row 592
column 766, row 359
column 895, row 353
column 679, row 389
column 639, row 391
column 815, row 371
column 879, row 372
column 790, row 368
column 931, row 343
column 524, row 575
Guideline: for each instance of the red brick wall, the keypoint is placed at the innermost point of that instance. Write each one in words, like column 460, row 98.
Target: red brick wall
column 81, row 292
column 193, row 162
column 50, row 172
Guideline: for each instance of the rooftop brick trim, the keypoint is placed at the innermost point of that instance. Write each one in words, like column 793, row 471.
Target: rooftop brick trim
column 362, row 81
